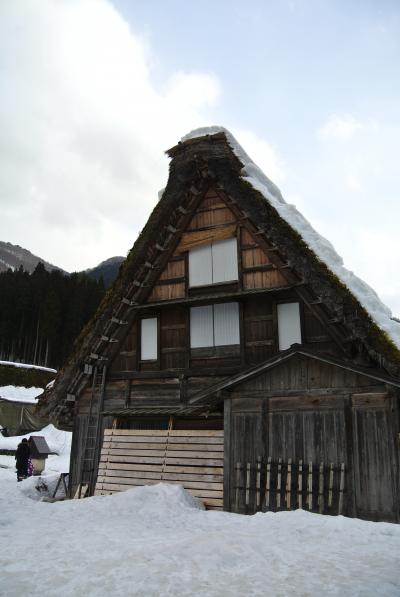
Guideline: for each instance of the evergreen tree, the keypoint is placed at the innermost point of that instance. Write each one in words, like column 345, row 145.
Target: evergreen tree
column 41, row 314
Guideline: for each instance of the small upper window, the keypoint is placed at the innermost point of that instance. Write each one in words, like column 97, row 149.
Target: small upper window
column 289, row 327
column 149, row 333
column 213, row 263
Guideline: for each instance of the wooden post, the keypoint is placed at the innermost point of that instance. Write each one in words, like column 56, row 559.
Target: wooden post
column 310, row 486
column 278, row 485
column 289, row 484
column 227, row 455
column 237, row 489
column 330, row 485
column 341, row 488
column 321, row 488
column 300, row 484
column 258, row 483
column 268, row 484
column 247, row 484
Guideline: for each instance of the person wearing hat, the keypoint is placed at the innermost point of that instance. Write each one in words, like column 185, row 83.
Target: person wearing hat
column 22, row 459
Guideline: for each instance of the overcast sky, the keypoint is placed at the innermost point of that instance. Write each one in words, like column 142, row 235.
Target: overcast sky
column 94, row 91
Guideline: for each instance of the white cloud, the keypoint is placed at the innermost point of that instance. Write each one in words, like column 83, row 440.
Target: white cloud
column 343, row 127
column 84, row 128
column 351, row 196
column 263, row 154
column 353, row 182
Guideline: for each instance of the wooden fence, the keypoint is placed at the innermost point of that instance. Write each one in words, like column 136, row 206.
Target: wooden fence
column 278, row 485
column 193, row 459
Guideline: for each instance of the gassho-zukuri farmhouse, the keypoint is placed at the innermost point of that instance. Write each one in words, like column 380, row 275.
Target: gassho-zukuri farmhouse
column 235, row 355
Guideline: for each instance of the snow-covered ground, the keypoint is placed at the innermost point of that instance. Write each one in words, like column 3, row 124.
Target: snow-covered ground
column 20, row 394
column 157, row 541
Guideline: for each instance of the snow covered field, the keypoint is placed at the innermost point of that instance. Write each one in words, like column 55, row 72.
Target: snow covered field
column 157, row 541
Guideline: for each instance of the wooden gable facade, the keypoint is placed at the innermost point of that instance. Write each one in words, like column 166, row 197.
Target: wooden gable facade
column 229, row 359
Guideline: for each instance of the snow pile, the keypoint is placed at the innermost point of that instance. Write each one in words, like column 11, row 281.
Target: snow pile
column 20, row 394
column 40, row 487
column 324, row 250
column 156, row 541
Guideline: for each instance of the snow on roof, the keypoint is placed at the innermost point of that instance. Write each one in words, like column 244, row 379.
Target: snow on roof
column 20, row 394
column 27, row 366
column 322, row 248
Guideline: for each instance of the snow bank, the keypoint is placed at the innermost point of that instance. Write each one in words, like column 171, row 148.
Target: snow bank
column 39, row 487
column 20, row 394
column 160, row 500
column 156, row 541
column 322, row 248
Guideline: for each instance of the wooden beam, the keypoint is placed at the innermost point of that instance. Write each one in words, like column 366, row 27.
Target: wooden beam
column 215, row 296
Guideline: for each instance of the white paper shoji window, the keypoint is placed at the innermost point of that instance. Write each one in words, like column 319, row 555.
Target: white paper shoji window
column 213, row 263
column 214, row 325
column 289, row 326
column 149, row 335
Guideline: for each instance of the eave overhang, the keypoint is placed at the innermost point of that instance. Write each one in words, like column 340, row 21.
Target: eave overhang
column 217, row 391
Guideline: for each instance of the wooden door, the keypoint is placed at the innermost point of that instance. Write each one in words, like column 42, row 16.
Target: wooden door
column 375, row 461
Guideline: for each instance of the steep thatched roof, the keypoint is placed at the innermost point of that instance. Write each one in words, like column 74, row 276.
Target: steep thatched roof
column 196, row 164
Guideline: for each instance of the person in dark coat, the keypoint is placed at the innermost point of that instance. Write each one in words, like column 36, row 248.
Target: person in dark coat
column 22, row 458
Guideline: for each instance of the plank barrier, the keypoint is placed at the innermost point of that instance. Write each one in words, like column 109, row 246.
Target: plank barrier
column 277, row 485
column 193, row 459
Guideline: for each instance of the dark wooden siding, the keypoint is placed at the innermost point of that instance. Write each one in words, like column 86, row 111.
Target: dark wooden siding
column 173, row 338
column 314, row 412
column 260, row 341
column 375, row 458
column 77, row 449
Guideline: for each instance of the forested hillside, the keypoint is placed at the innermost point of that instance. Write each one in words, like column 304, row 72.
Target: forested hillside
column 42, row 313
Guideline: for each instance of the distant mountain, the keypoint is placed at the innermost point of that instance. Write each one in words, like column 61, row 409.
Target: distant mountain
column 13, row 256
column 108, row 270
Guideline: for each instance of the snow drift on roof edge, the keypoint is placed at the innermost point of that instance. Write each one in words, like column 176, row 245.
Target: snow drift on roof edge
column 322, row 248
